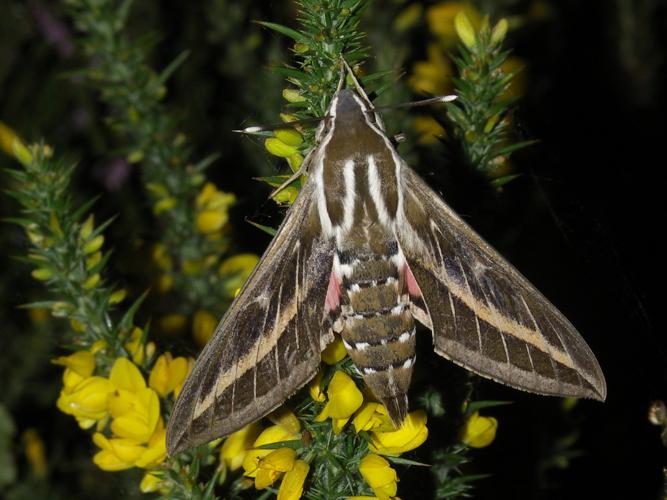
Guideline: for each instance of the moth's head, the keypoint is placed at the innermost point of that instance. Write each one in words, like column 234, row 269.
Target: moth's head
column 349, row 109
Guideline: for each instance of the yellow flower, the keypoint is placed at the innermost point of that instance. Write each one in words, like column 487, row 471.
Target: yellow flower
column 285, row 418
column 150, row 483
column 372, row 417
column 428, row 129
column 479, row 431
column 135, row 346
column 81, row 362
column 34, row 452
column 377, row 472
column 162, row 257
column 203, row 326
column 235, row 447
column 11, row 144
column 291, row 487
column 334, row 352
column 273, row 465
column 191, row 365
column 212, row 208
column 408, row 17
column 120, row 453
column 167, row 374
column 270, row 435
column 135, row 408
column 156, row 449
column 116, row 454
column 173, row 323
column 235, row 271
column 412, row 434
column 125, row 375
column 441, row 17
column 135, row 414
column 465, row 30
column 344, row 399
column 433, row 76
column 86, row 400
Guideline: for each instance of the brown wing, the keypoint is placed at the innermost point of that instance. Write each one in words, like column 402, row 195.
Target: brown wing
column 268, row 344
column 483, row 313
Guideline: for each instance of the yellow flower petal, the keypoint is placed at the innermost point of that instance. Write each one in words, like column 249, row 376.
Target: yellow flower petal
column 167, row 373
column 372, row 417
column 465, row 30
column 136, row 345
column 141, row 421
column 87, row 400
column 190, row 366
column 334, row 352
column 210, row 221
column 126, row 375
column 11, row 144
column 206, row 194
column 285, row 418
column 234, row 448
column 271, row 467
column 344, row 398
column 377, row 472
column 411, row 435
column 116, row 454
column 81, row 362
column 173, row 323
column 270, row 435
column 35, row 452
column 281, row 460
column 479, row 431
column 71, row 379
column 441, row 17
column 156, row 451
column 150, row 483
column 291, row 487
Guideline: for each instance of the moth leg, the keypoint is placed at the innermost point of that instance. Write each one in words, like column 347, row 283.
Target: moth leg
column 289, row 181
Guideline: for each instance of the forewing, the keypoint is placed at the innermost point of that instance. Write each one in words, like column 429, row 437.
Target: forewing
column 483, row 313
column 268, row 344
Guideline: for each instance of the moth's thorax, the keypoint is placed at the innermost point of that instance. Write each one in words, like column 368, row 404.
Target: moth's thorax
column 356, row 171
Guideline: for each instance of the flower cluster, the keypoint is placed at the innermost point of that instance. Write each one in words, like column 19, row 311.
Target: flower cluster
column 213, row 210
column 130, row 431
column 279, row 453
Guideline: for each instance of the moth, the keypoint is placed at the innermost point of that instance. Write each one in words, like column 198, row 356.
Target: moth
column 366, row 251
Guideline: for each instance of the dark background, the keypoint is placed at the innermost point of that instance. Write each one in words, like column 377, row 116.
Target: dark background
column 584, row 222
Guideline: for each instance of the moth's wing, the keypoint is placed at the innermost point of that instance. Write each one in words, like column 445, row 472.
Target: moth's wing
column 269, row 342
column 483, row 313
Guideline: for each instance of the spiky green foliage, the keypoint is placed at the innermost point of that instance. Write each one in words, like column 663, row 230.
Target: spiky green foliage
column 481, row 114
column 67, row 254
column 150, row 137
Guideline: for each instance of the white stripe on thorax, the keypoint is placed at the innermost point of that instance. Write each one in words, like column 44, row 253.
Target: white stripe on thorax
column 375, row 189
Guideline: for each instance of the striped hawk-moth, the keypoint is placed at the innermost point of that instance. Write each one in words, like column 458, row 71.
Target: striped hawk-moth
column 367, row 250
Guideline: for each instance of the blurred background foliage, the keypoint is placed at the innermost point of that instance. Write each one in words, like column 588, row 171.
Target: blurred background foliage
column 582, row 220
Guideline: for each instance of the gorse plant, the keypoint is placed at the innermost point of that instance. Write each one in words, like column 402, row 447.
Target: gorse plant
column 332, row 439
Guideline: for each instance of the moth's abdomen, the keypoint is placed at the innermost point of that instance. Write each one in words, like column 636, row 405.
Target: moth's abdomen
column 378, row 328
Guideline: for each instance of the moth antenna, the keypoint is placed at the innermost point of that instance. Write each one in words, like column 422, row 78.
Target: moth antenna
column 416, row 104
column 258, row 129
